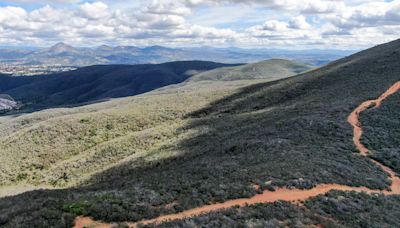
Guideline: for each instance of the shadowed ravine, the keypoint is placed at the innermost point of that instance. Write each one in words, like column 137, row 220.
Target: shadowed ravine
column 283, row 193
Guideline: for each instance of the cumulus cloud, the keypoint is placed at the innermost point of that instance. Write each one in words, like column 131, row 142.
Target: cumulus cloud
column 304, row 6
column 96, row 10
column 44, row 1
column 95, row 21
column 275, row 31
column 179, row 22
column 9, row 15
column 299, row 22
column 370, row 14
column 168, row 8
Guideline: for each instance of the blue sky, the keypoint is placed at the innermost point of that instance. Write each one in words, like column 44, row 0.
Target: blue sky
column 300, row 24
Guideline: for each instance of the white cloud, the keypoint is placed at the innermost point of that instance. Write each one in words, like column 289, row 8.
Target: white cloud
column 11, row 14
column 168, row 8
column 304, row 6
column 302, row 23
column 96, row 10
column 299, row 22
column 44, row 1
column 370, row 14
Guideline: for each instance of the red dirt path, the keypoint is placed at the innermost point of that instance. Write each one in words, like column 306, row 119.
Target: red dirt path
column 283, row 193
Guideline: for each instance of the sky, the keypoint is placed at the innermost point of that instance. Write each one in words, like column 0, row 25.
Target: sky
column 290, row 24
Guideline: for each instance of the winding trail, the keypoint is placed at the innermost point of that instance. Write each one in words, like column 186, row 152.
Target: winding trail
column 282, row 193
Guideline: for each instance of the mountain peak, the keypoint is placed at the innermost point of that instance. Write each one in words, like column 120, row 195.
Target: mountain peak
column 102, row 47
column 62, row 47
column 156, row 47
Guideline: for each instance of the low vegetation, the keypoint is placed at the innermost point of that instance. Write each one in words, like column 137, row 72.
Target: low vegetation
column 63, row 146
column 95, row 83
column 279, row 214
column 382, row 132
column 335, row 209
column 357, row 209
column 272, row 69
column 201, row 143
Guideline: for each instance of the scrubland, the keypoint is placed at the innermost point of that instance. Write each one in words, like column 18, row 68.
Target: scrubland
column 197, row 144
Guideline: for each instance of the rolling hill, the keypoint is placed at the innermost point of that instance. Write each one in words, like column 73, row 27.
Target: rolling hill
column 173, row 150
column 273, row 69
column 97, row 83
column 94, row 83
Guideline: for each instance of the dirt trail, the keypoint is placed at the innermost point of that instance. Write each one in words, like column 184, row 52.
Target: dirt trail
column 354, row 116
column 283, row 193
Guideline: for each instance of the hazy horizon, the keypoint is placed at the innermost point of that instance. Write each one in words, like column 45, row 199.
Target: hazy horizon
column 33, row 47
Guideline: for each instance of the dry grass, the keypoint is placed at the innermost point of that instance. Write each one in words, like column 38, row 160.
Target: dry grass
column 61, row 147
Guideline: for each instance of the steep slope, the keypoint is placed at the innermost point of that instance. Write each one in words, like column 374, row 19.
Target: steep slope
column 294, row 194
column 335, row 209
column 171, row 151
column 273, row 69
column 385, row 143
column 97, row 82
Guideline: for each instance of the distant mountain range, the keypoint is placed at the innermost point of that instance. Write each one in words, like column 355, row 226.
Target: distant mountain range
column 66, row 55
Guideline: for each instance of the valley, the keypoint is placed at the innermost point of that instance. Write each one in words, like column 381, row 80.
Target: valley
column 204, row 145
column 97, row 83
column 199, row 114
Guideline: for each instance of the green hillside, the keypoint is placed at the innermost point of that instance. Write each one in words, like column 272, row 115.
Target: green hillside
column 272, row 69
column 171, row 150
column 382, row 132
column 39, row 148
column 335, row 209
column 96, row 83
